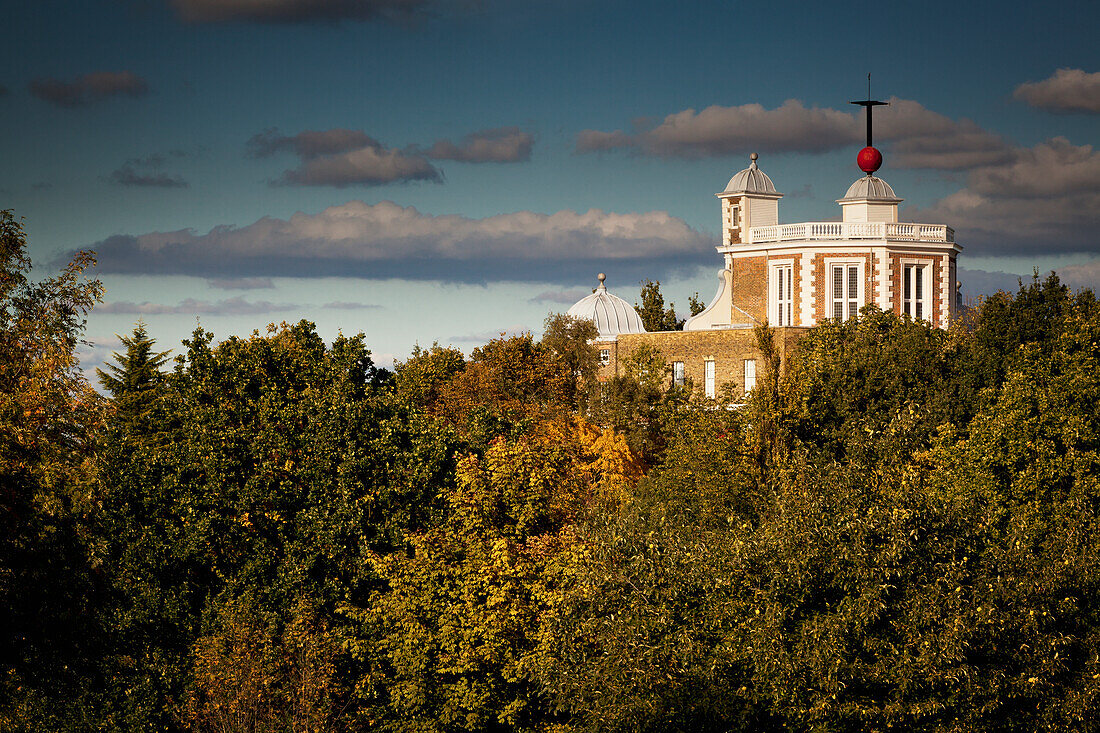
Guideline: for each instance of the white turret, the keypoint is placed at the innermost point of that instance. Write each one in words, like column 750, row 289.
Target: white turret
column 750, row 200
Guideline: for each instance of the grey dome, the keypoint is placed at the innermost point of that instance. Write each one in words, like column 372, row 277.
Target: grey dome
column 751, row 180
column 611, row 314
column 870, row 188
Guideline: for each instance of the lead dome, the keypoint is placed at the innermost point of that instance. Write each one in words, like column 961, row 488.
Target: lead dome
column 611, row 314
column 751, row 180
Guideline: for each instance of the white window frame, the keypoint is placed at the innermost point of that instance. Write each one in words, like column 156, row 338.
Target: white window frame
column 708, row 378
column 750, row 375
column 781, row 312
column 605, row 357
column 831, row 299
column 909, row 267
column 678, row 373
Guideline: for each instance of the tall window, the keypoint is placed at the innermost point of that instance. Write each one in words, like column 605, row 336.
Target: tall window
column 783, row 295
column 678, row 373
column 708, row 377
column 750, row 375
column 915, row 292
column 845, row 291
column 605, row 356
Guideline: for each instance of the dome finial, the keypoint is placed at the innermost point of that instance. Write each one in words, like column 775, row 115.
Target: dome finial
column 601, row 277
column 753, row 158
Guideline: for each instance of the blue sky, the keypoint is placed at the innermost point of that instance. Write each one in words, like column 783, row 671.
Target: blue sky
column 426, row 170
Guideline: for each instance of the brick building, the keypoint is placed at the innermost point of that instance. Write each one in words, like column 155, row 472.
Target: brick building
column 791, row 276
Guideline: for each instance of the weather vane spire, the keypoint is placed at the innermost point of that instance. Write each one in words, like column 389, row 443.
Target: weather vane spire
column 869, row 159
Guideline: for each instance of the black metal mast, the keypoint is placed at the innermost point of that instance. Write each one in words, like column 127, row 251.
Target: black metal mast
column 870, row 104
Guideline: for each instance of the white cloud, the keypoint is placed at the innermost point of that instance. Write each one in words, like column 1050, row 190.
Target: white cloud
column 1068, row 90
column 1084, row 275
column 385, row 240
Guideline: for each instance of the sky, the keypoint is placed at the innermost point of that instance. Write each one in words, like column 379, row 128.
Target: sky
column 448, row 170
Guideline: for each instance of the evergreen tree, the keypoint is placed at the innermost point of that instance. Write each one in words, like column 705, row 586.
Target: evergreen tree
column 138, row 369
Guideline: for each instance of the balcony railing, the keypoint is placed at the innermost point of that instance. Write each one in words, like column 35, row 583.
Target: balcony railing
column 842, row 230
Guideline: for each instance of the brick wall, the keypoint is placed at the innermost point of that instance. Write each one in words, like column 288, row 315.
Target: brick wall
column 729, row 348
column 750, row 288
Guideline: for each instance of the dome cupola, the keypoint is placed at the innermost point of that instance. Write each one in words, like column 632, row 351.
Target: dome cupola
column 751, row 181
column 870, row 199
column 870, row 188
column 750, row 200
column 611, row 314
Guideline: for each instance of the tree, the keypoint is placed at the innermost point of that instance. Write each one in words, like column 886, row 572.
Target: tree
column 273, row 467
column 138, row 369
column 637, row 634
column 421, row 378
column 48, row 559
column 462, row 608
column 570, row 341
column 654, row 315
column 697, row 306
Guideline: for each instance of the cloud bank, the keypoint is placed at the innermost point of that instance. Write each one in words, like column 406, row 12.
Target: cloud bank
column 386, row 240
column 88, row 89
column 1045, row 198
column 920, row 137
column 1068, row 90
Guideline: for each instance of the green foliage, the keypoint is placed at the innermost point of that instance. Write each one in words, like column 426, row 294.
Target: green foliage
column 136, row 371
column 897, row 529
column 871, row 388
column 421, row 378
column 461, row 610
column 697, row 306
column 638, row 402
column 654, row 315
column 274, row 469
column 569, row 340
column 48, row 564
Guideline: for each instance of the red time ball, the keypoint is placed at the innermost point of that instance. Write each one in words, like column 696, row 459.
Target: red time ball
column 869, row 160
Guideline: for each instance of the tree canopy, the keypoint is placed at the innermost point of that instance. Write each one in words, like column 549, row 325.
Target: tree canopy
column 896, row 530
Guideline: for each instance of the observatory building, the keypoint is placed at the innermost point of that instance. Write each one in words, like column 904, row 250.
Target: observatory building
column 791, row 277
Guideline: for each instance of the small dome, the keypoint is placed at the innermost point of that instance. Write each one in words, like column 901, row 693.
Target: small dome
column 612, row 315
column 870, row 188
column 751, row 180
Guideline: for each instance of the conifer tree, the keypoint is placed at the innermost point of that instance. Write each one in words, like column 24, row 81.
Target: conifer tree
column 138, row 369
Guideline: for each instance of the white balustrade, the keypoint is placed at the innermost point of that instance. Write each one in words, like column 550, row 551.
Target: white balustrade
column 843, row 230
